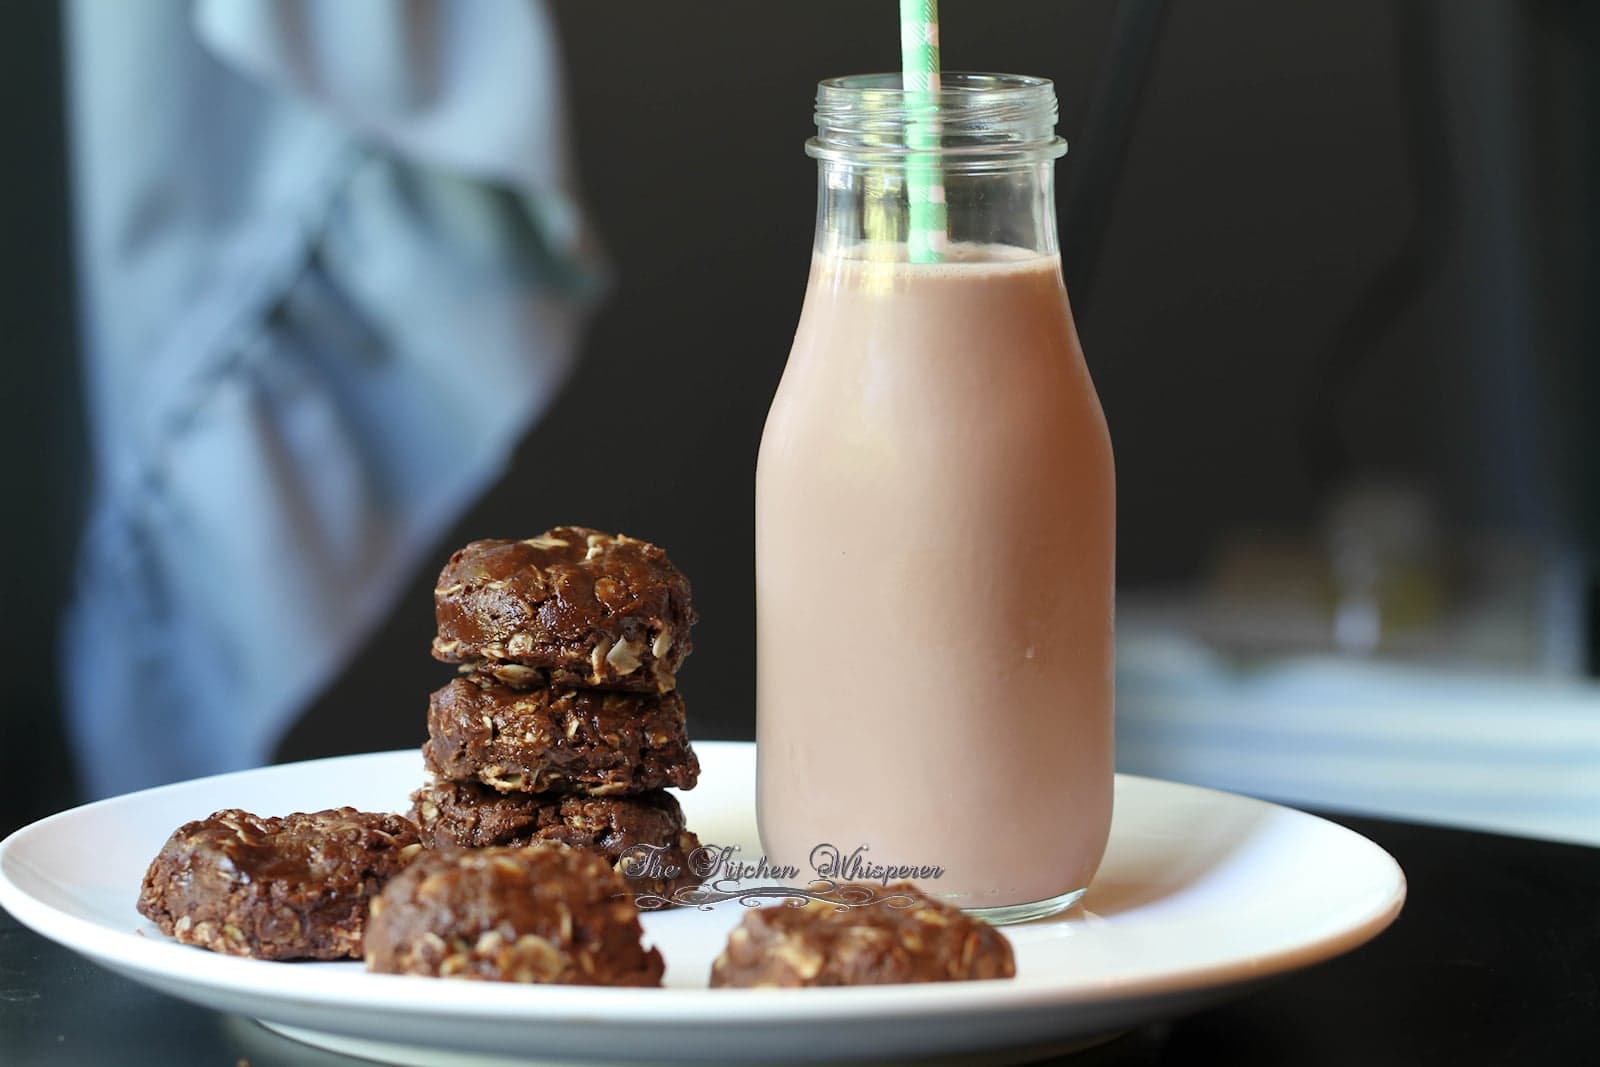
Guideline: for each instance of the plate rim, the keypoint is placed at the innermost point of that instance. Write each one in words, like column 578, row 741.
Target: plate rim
column 133, row 954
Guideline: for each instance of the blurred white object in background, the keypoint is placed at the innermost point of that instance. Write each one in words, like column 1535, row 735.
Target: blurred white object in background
column 1491, row 750
column 1384, row 562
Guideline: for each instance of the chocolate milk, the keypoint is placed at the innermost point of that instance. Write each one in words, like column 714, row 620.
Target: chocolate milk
column 934, row 558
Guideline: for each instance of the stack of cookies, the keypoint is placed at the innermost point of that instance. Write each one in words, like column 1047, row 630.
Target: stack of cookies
column 565, row 725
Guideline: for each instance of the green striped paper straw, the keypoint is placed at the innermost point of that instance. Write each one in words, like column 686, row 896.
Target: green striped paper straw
column 919, row 66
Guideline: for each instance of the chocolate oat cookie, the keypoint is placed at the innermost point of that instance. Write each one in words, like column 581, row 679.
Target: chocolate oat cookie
column 873, row 944
column 559, row 740
column 647, row 829
column 544, row 913
column 572, row 607
column 285, row 888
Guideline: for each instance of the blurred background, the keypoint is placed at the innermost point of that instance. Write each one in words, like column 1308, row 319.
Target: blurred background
column 1332, row 263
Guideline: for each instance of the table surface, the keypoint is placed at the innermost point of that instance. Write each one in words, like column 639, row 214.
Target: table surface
column 1495, row 960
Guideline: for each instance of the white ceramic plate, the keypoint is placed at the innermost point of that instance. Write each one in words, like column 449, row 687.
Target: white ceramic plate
column 1201, row 894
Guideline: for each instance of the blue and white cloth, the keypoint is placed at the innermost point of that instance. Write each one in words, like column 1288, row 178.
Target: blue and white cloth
column 331, row 268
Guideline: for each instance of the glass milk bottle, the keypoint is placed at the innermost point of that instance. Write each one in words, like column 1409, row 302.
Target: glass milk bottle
column 935, row 517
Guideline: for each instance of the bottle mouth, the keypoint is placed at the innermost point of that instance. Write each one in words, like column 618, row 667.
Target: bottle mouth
column 973, row 120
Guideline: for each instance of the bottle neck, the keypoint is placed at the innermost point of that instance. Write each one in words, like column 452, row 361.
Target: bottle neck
column 906, row 173
column 864, row 208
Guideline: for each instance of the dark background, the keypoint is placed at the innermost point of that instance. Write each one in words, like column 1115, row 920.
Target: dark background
column 1344, row 236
